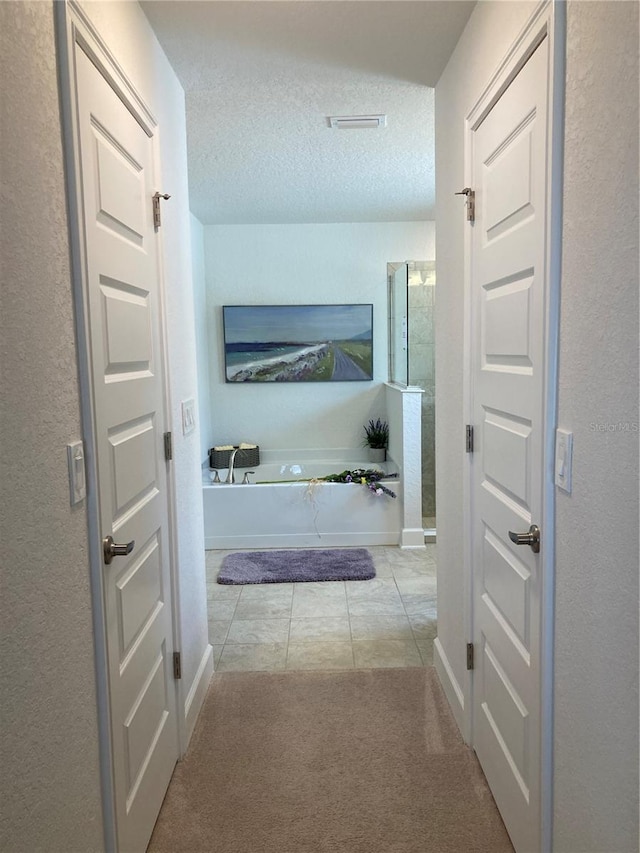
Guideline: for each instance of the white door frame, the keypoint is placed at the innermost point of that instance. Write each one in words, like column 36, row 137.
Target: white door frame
column 73, row 27
column 548, row 19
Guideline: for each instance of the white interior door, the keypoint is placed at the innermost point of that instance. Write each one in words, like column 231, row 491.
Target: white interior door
column 125, row 348
column 508, row 281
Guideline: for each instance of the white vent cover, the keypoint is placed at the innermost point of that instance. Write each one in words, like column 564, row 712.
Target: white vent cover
column 357, row 122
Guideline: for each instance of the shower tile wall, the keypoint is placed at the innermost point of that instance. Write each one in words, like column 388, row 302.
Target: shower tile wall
column 422, row 373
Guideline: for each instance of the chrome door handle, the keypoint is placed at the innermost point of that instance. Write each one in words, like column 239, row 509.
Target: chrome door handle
column 531, row 538
column 110, row 549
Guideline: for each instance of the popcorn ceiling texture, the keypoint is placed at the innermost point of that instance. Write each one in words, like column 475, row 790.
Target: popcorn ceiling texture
column 50, row 775
column 596, row 654
column 261, row 80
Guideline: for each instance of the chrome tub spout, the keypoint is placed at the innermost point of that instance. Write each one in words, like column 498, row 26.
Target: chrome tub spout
column 230, row 475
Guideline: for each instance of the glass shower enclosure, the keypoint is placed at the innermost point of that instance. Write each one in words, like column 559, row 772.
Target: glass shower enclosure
column 411, row 295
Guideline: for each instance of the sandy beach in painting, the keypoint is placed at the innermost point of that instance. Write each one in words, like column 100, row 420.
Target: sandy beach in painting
column 281, row 368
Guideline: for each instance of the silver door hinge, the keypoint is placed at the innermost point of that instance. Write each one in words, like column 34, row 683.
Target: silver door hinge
column 469, row 655
column 177, row 665
column 168, row 446
column 157, row 216
column 471, row 203
column 468, row 438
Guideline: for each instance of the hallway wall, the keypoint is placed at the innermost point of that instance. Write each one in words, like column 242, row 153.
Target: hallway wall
column 50, row 774
column 596, row 652
column 596, row 640
column 50, row 757
column 303, row 264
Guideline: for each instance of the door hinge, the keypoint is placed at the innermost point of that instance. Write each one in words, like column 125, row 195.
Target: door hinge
column 469, row 655
column 468, row 438
column 177, row 665
column 168, row 446
column 471, row 203
column 157, row 216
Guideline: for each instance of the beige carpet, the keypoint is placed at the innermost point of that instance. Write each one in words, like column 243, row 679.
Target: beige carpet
column 366, row 761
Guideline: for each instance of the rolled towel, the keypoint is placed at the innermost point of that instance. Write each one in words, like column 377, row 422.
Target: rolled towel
column 244, row 446
column 224, row 447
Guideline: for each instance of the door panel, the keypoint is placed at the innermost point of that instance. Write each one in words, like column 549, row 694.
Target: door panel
column 508, row 297
column 128, row 386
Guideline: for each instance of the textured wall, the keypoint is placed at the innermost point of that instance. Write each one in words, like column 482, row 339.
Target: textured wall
column 280, row 264
column 51, row 793
column 596, row 651
column 202, row 337
column 488, row 35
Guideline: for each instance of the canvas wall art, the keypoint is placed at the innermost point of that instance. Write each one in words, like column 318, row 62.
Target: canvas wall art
column 298, row 343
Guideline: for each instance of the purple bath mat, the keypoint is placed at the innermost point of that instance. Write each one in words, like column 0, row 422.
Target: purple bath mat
column 297, row 565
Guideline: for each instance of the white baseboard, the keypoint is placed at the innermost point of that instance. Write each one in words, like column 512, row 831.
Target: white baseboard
column 197, row 692
column 412, row 537
column 451, row 686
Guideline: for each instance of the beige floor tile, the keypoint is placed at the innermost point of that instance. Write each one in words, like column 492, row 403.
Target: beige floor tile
column 381, row 605
column 394, row 627
column 375, row 587
column 263, row 590
column 414, row 570
column 258, row 631
column 424, row 625
column 261, row 657
column 385, row 653
column 319, row 600
column 221, row 609
column 218, row 630
column 217, row 654
column 416, row 586
column 270, row 607
column 223, row 592
column 325, row 629
column 320, row 656
column 425, row 647
column 417, row 604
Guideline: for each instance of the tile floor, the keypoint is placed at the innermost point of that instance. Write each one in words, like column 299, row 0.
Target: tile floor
column 389, row 621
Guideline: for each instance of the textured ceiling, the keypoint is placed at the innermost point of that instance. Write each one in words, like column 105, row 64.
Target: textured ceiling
column 261, row 78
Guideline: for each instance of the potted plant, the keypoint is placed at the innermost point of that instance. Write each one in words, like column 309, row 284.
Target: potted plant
column 376, row 439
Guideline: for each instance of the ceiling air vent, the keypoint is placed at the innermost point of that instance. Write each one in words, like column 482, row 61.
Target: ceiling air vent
column 357, row 122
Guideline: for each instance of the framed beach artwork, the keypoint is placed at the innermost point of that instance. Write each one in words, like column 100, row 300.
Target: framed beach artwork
column 298, row 343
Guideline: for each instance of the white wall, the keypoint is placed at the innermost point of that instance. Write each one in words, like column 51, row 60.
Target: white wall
column 596, row 643
column 596, row 651
column 127, row 32
column 202, row 337
column 303, row 264
column 490, row 31
column 50, row 765
column 50, row 775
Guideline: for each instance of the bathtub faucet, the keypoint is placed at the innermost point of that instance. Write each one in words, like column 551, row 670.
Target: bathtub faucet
column 230, row 476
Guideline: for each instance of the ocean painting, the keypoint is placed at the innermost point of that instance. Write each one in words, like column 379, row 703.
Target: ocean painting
column 298, row 343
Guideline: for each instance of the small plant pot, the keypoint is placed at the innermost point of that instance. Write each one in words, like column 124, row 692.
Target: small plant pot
column 377, row 454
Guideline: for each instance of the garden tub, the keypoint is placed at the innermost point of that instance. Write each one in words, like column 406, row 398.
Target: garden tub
column 284, row 507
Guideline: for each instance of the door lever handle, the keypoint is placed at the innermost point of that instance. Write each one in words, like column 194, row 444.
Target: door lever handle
column 110, row 549
column 532, row 538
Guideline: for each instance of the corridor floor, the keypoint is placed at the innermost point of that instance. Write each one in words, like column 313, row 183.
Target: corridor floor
column 389, row 621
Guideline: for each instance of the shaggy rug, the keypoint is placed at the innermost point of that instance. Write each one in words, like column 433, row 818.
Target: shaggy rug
column 297, row 565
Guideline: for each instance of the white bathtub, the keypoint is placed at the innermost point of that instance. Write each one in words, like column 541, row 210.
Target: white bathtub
column 299, row 514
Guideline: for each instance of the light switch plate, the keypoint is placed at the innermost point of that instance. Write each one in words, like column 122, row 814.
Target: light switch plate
column 77, row 481
column 564, row 454
column 188, row 416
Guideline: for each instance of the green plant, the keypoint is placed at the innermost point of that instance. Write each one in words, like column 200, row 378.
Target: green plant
column 376, row 434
